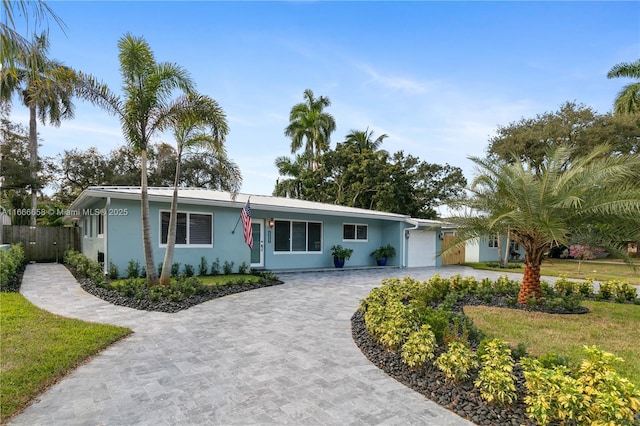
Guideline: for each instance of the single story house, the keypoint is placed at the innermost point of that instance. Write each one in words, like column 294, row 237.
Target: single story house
column 288, row 234
column 485, row 249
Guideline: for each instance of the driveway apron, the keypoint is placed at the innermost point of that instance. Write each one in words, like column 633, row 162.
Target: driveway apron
column 273, row 356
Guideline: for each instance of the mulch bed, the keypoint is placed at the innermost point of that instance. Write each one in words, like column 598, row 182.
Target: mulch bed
column 463, row 399
column 164, row 305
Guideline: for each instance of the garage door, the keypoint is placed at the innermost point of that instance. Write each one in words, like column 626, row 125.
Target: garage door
column 421, row 248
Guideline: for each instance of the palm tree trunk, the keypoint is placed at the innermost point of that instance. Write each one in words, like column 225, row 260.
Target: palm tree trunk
column 33, row 162
column 165, row 277
column 530, row 282
column 507, row 250
column 152, row 273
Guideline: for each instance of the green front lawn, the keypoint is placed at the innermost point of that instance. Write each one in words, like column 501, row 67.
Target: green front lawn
column 611, row 327
column 39, row 348
column 228, row 279
column 598, row 270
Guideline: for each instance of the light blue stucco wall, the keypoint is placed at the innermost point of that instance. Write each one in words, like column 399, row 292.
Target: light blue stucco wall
column 125, row 236
column 379, row 233
column 92, row 242
column 479, row 250
column 123, row 240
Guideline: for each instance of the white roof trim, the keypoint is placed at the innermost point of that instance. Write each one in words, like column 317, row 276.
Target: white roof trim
column 211, row 197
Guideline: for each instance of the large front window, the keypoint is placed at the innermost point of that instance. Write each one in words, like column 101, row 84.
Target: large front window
column 297, row 236
column 193, row 229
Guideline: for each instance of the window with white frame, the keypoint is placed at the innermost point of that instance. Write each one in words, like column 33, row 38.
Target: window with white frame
column 297, row 236
column 493, row 241
column 85, row 226
column 193, row 229
column 100, row 225
column 355, row 232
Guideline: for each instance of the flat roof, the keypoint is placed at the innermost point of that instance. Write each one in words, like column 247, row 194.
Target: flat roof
column 212, row 197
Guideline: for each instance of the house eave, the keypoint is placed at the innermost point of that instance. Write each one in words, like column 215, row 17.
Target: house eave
column 126, row 193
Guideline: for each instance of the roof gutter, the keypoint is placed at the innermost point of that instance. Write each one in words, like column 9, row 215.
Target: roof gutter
column 405, row 240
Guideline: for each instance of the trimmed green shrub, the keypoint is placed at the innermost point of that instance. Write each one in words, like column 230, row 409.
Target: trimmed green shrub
column 215, row 267
column 188, row 270
column 243, row 268
column 11, row 261
column 227, row 267
column 133, row 269
column 114, row 273
column 175, row 269
column 204, row 266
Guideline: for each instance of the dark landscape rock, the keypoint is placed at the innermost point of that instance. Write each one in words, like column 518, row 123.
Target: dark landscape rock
column 164, row 305
column 463, row 399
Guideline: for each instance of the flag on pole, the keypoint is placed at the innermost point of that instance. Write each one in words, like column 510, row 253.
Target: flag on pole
column 245, row 215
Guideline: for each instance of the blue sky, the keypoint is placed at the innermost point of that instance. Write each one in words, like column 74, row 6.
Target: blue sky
column 437, row 77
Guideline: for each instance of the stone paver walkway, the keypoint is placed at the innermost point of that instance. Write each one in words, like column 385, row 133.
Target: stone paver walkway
column 280, row 355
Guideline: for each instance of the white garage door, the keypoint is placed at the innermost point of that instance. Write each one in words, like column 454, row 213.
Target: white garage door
column 422, row 248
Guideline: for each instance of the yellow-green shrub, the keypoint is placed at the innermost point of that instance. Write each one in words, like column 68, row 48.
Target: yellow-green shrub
column 495, row 378
column 419, row 347
column 594, row 395
column 457, row 361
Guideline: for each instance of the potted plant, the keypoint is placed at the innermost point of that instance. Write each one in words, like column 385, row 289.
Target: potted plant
column 340, row 254
column 383, row 253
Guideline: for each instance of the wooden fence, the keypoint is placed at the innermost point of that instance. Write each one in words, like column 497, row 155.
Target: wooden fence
column 43, row 243
column 454, row 257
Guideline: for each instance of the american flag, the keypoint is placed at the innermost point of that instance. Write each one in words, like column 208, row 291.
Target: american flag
column 245, row 215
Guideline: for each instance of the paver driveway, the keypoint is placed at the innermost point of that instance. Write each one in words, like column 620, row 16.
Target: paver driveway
column 277, row 355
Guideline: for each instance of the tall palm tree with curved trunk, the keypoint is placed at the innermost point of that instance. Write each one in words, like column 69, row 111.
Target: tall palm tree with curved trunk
column 628, row 99
column 198, row 122
column 363, row 140
column 310, row 125
column 45, row 87
column 593, row 199
column 147, row 106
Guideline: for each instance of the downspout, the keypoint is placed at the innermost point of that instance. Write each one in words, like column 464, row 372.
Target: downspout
column 105, row 235
column 405, row 241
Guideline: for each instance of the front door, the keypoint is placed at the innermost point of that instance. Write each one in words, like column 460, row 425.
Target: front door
column 257, row 252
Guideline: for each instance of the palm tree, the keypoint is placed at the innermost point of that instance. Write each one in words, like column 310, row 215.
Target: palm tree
column 197, row 122
column 593, row 199
column 45, row 86
column 146, row 107
column 12, row 44
column 291, row 169
column 363, row 140
column 628, row 99
column 309, row 124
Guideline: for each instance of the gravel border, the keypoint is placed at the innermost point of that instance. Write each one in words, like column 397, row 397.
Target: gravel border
column 463, row 399
column 164, row 305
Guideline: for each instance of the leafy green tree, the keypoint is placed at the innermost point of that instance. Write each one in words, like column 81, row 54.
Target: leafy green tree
column 628, row 100
column 575, row 125
column 593, row 198
column 199, row 122
column 203, row 169
column 79, row 170
column 310, row 125
column 45, row 86
column 370, row 179
column 147, row 105
column 16, row 177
